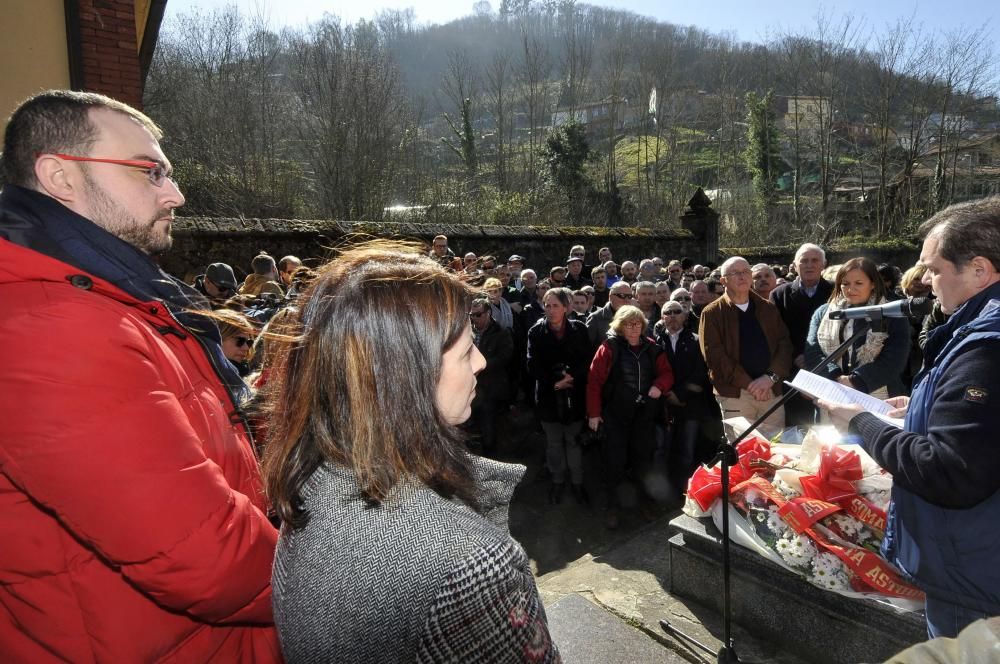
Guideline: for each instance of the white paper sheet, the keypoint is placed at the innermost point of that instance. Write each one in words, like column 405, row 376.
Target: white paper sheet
column 834, row 392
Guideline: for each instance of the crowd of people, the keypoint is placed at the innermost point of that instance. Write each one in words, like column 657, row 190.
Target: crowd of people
column 158, row 433
column 645, row 358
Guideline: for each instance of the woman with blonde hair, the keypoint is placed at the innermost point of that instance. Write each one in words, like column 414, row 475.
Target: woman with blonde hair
column 627, row 376
column 237, row 338
column 502, row 312
column 394, row 544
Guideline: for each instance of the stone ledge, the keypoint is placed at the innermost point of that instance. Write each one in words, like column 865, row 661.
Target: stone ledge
column 772, row 603
column 292, row 227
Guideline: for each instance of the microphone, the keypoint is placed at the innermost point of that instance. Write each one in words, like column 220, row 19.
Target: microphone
column 911, row 307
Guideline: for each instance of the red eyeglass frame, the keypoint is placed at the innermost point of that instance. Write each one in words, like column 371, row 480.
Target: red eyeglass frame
column 154, row 170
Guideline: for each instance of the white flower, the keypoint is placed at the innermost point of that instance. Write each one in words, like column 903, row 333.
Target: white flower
column 849, row 526
column 801, row 551
column 833, row 582
column 785, row 489
column 826, row 564
column 775, row 523
column 795, row 550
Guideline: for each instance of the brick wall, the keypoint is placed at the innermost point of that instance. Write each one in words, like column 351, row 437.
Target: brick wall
column 109, row 53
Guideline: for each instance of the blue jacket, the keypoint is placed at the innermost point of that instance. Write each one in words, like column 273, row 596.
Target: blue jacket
column 942, row 529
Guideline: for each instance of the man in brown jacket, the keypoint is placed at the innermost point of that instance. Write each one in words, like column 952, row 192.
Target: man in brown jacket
column 746, row 347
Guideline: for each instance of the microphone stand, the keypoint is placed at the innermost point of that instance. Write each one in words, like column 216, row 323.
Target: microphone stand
column 727, row 456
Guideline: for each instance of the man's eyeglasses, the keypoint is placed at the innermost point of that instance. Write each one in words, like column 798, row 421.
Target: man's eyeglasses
column 156, row 173
column 242, row 341
column 681, row 299
column 623, row 296
column 738, row 273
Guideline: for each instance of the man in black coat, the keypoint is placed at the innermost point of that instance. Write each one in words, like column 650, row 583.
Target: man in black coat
column 493, row 382
column 695, row 422
column 796, row 301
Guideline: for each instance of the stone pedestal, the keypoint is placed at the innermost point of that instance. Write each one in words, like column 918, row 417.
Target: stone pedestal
column 771, row 603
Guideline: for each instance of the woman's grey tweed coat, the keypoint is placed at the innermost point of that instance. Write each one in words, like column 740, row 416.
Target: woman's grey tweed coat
column 420, row 578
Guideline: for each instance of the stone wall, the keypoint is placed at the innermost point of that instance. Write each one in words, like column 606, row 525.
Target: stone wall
column 903, row 257
column 199, row 241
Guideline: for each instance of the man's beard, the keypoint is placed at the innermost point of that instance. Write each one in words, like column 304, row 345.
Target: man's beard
column 115, row 219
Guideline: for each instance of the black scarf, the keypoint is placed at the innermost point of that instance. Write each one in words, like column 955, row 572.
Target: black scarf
column 40, row 223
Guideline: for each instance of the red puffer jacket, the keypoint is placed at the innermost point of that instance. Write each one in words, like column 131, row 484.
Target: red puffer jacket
column 132, row 518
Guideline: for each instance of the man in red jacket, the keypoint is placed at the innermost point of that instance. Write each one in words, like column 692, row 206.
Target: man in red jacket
column 132, row 517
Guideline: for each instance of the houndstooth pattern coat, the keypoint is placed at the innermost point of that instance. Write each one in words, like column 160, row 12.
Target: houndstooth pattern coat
column 418, row 579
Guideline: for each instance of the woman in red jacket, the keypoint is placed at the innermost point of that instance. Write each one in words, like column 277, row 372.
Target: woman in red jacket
column 628, row 374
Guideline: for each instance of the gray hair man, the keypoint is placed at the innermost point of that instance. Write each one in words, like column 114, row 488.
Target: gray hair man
column 599, row 322
column 746, row 348
column 764, row 279
column 797, row 301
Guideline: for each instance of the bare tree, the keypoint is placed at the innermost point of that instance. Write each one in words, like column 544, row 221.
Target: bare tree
column 963, row 64
column 533, row 77
column 354, row 116
column 577, row 55
column 498, row 77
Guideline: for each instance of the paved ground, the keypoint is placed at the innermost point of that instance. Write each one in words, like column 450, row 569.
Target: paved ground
column 620, row 573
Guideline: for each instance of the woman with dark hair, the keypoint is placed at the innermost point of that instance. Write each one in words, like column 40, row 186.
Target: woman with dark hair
column 891, row 276
column 628, row 375
column 394, row 545
column 875, row 362
column 558, row 356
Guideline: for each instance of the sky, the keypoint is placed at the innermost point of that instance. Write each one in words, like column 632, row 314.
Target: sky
column 748, row 20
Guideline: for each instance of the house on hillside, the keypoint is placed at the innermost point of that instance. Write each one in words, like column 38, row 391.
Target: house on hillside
column 971, row 170
column 811, row 113
column 598, row 117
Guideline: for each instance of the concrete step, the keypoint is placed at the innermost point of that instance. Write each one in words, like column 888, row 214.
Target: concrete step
column 630, row 582
column 588, row 634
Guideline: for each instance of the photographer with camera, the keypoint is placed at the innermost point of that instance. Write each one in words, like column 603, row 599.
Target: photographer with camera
column 558, row 353
column 628, row 374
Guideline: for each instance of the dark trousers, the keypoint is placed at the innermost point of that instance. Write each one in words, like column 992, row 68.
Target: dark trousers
column 628, row 446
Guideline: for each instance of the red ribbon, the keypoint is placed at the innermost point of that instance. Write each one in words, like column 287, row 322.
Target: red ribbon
column 834, row 482
column 705, row 486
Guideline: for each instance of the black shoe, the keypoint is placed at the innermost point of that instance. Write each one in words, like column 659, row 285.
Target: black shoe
column 580, row 495
column 555, row 493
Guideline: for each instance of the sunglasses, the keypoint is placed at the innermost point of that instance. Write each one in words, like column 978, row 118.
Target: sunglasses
column 626, row 296
column 243, row 341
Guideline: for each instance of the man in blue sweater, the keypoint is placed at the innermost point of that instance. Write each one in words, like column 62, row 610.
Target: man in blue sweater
column 942, row 531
